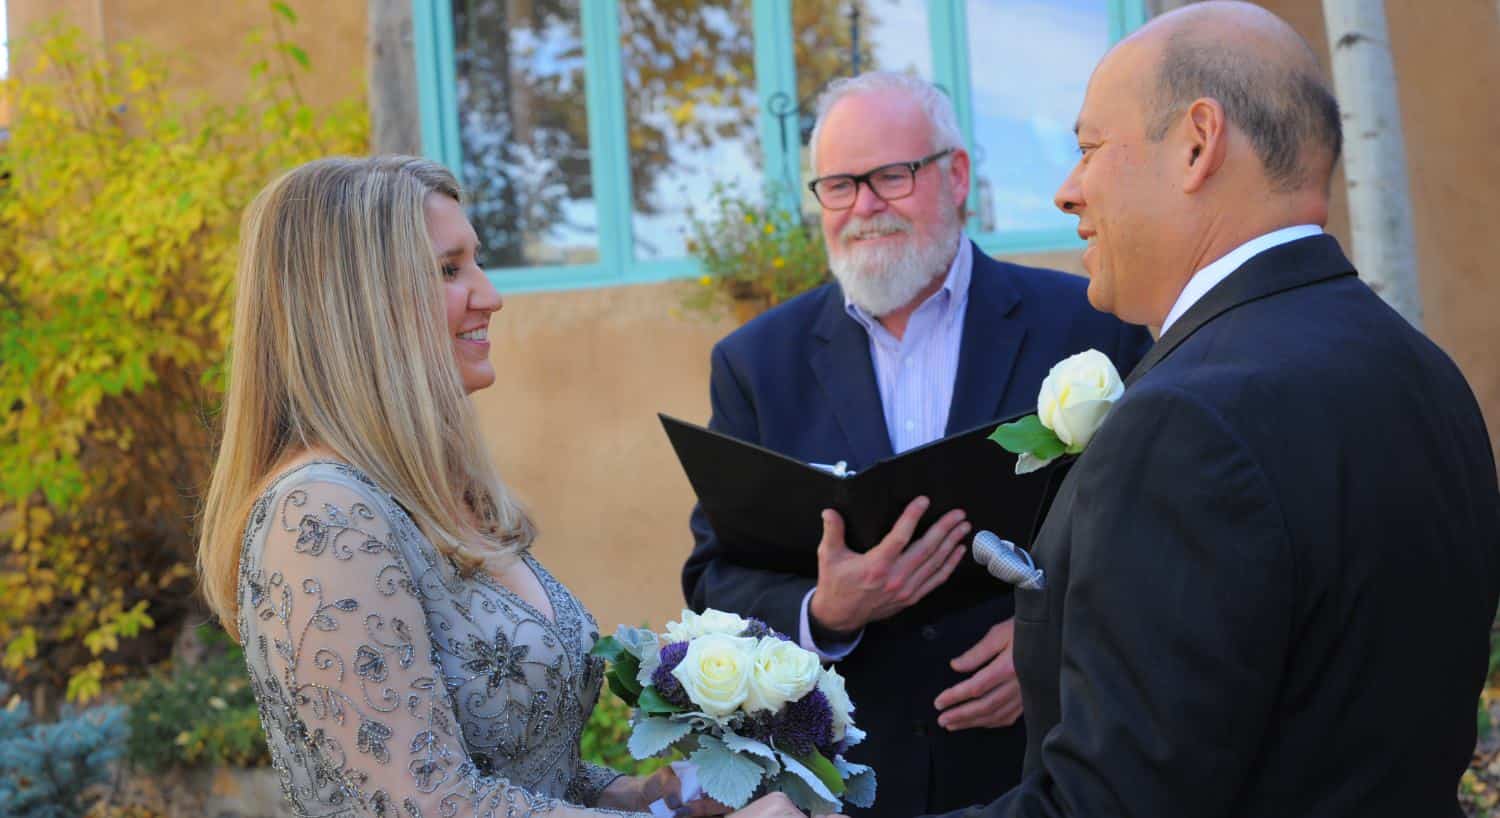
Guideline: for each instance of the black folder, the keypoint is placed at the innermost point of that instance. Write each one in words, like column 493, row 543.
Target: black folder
column 765, row 507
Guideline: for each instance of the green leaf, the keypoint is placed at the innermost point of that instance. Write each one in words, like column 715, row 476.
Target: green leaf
column 809, row 800
column 726, row 776
column 824, row 770
column 607, row 648
column 859, row 782
column 651, row 736
column 87, row 683
column 1028, row 436
column 297, row 54
column 652, row 703
column 626, row 694
column 21, row 648
column 629, row 668
column 285, row 11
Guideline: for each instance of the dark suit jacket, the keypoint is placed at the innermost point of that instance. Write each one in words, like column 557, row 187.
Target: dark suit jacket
column 1271, row 575
column 799, row 380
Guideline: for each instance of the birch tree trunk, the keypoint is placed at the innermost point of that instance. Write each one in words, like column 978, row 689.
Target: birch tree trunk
column 395, row 118
column 1380, row 213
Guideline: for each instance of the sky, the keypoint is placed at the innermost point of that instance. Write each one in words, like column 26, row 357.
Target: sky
column 4, row 58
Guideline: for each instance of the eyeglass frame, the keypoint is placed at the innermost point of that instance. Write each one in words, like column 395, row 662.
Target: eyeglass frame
column 864, row 178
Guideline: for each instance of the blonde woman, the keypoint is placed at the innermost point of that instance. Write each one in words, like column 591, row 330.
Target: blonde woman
column 409, row 654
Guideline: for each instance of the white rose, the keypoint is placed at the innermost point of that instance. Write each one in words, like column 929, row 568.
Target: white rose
column 692, row 625
column 832, row 685
column 715, row 673
column 782, row 672
column 1076, row 395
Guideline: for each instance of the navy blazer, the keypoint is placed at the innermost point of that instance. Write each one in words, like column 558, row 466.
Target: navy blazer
column 1272, row 573
column 799, row 380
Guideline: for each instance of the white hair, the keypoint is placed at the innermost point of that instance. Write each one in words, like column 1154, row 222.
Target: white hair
column 934, row 101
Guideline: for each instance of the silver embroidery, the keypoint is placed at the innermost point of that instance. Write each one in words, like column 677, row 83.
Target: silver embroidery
column 391, row 685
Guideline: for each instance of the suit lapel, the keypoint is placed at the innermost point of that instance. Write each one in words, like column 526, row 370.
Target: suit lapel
column 989, row 347
column 841, row 362
column 1281, row 268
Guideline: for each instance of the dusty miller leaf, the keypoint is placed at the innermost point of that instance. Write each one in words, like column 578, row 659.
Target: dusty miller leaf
column 652, row 735
column 726, row 776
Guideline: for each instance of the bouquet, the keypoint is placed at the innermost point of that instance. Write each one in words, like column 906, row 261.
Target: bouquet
column 749, row 708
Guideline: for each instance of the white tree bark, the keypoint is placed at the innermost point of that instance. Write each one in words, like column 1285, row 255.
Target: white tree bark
column 395, row 118
column 1380, row 213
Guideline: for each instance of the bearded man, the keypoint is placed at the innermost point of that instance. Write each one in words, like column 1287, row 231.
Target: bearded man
column 922, row 336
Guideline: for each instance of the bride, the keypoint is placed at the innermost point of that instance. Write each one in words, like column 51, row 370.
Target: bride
column 409, row 654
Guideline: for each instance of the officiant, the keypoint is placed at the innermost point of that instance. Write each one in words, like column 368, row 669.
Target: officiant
column 923, row 335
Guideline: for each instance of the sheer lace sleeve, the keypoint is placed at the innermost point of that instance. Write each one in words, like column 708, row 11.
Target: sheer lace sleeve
column 589, row 783
column 350, row 694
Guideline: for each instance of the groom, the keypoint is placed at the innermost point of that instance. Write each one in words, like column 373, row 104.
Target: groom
column 1270, row 577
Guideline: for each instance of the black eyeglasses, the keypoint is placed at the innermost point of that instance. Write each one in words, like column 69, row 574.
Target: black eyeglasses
column 889, row 182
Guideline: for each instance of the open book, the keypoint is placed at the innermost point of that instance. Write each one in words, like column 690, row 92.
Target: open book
column 765, row 507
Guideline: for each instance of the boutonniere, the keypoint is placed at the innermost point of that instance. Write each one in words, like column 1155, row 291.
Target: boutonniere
column 1075, row 397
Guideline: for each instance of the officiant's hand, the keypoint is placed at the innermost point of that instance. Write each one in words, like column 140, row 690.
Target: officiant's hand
column 991, row 697
column 856, row 589
column 772, row 805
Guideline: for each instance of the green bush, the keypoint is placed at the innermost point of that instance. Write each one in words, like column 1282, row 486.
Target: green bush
column 202, row 714
column 753, row 250
column 119, row 215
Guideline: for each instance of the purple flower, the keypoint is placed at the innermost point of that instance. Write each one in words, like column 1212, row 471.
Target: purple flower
column 662, row 679
column 805, row 725
column 759, row 628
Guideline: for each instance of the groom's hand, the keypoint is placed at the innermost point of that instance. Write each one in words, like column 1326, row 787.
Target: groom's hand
column 857, row 589
column 991, row 697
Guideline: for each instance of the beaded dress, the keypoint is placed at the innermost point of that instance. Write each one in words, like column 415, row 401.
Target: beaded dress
column 390, row 684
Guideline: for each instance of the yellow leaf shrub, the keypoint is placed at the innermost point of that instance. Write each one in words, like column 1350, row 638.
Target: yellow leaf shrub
column 119, row 211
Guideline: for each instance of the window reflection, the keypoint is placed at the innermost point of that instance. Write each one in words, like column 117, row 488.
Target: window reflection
column 523, row 129
column 1030, row 63
column 892, row 35
column 691, row 106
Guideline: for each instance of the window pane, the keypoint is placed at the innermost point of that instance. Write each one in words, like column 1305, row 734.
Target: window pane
column 1030, row 63
column 892, row 36
column 523, row 128
column 690, row 107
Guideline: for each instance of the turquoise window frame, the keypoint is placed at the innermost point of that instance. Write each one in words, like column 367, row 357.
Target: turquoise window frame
column 775, row 72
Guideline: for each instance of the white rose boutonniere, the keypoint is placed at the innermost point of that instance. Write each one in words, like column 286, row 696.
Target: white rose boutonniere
column 1075, row 396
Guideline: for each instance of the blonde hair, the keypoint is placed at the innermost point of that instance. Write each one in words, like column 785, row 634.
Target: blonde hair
column 340, row 340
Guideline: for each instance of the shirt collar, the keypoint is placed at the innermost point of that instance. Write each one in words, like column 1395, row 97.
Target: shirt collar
column 955, row 287
column 1208, row 277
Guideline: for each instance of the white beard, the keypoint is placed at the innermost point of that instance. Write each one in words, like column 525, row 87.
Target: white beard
column 881, row 279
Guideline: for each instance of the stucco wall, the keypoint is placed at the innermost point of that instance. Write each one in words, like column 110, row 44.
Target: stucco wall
column 207, row 41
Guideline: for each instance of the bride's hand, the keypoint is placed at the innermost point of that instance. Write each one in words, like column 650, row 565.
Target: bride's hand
column 663, row 785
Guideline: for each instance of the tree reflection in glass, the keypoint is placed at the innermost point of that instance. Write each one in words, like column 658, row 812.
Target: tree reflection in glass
column 892, row 35
column 523, row 128
column 689, row 70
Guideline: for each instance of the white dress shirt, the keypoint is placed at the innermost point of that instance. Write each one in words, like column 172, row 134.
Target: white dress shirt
column 1208, row 277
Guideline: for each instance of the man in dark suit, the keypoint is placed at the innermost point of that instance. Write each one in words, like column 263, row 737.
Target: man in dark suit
column 924, row 336
column 1270, row 577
